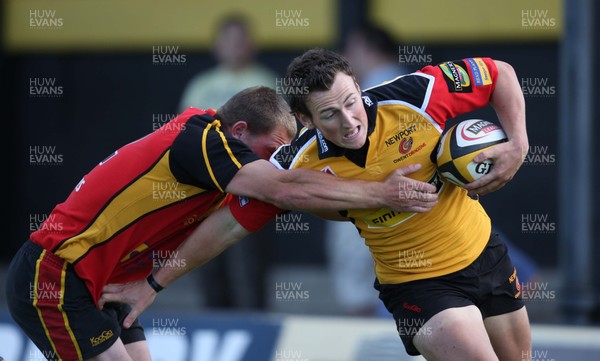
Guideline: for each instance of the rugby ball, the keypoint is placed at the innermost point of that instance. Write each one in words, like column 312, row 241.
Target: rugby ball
column 463, row 142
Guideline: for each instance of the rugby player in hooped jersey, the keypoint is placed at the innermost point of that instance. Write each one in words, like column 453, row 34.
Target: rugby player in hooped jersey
column 447, row 281
column 143, row 200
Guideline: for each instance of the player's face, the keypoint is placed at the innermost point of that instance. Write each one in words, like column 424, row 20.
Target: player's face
column 339, row 113
column 265, row 144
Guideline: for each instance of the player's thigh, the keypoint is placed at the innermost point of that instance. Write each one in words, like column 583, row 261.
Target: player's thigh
column 116, row 352
column 510, row 335
column 455, row 334
column 139, row 351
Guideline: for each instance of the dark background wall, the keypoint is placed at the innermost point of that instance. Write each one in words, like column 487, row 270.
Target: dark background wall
column 110, row 99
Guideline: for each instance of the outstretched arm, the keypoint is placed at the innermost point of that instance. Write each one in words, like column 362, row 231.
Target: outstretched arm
column 309, row 190
column 509, row 104
column 219, row 231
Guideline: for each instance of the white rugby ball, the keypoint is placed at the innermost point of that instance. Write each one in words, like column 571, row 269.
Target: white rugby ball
column 463, row 142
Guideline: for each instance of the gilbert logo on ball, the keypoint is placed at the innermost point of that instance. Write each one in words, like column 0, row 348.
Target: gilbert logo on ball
column 463, row 142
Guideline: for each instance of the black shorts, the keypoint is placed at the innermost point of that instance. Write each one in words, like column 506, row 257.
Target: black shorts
column 57, row 312
column 490, row 283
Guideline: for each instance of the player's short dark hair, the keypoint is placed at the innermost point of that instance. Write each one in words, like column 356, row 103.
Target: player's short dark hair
column 312, row 71
column 261, row 107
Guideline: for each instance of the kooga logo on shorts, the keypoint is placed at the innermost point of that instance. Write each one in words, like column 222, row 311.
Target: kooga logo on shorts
column 103, row 337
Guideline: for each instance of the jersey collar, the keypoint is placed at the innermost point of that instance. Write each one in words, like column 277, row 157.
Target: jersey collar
column 357, row 156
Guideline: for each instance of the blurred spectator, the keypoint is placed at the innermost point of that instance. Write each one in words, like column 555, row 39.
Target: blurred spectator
column 373, row 55
column 236, row 69
column 352, row 270
column 527, row 267
column 236, row 278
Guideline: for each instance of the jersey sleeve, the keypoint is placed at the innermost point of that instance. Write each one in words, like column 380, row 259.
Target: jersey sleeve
column 252, row 214
column 460, row 86
column 203, row 156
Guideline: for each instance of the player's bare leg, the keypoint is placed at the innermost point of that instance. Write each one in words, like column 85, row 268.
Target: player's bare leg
column 455, row 334
column 139, row 351
column 510, row 335
column 116, row 352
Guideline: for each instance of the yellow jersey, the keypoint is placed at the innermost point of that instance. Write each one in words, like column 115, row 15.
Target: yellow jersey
column 406, row 117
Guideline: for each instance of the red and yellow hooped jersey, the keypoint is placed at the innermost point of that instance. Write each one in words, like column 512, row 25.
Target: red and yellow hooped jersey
column 135, row 207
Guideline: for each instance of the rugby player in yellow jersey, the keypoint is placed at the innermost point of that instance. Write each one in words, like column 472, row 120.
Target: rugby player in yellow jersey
column 448, row 281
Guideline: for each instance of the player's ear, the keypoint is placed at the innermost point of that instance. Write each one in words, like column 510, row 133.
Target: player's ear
column 305, row 120
column 238, row 129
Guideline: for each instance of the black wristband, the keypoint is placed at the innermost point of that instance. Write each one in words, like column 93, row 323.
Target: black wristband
column 155, row 286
